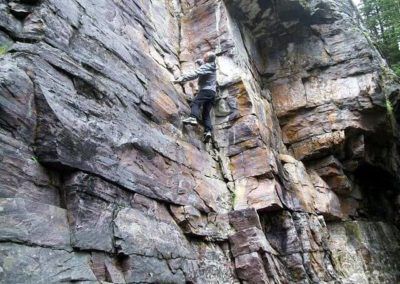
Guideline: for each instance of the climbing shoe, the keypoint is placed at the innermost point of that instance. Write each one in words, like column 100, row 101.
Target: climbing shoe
column 190, row 120
column 207, row 136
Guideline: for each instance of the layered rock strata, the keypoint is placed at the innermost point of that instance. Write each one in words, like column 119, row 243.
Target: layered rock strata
column 102, row 183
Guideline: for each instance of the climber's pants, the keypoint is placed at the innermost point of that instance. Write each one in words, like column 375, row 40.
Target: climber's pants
column 205, row 99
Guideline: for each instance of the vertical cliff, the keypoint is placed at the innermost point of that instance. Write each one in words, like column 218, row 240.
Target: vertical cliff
column 101, row 182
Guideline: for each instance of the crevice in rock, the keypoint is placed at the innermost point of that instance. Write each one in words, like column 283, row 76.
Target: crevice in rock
column 33, row 245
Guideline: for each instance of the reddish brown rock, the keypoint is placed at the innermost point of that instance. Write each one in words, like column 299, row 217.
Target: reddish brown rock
column 250, row 268
column 288, row 95
column 327, row 202
column 210, row 227
column 319, row 145
column 349, row 207
column 248, row 241
column 261, row 194
column 244, row 219
column 299, row 184
column 331, row 170
column 90, row 128
column 237, row 102
column 254, row 162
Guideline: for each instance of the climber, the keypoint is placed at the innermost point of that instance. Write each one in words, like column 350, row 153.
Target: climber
column 207, row 83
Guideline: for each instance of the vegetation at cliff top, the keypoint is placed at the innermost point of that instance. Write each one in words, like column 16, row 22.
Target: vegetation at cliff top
column 382, row 18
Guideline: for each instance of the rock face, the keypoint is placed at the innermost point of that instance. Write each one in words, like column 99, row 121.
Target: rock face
column 101, row 182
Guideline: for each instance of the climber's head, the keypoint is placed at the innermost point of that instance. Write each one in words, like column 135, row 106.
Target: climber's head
column 209, row 57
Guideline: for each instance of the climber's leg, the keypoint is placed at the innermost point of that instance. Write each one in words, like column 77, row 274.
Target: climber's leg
column 195, row 111
column 205, row 99
column 207, row 106
column 198, row 101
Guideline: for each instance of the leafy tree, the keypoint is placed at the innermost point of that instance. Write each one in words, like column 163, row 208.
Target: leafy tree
column 382, row 18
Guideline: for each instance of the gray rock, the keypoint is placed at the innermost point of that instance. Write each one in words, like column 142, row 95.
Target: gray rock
column 157, row 239
column 91, row 222
column 214, row 264
column 90, row 128
column 365, row 251
column 91, row 204
column 107, row 268
column 24, row 221
column 23, row 177
column 24, row 264
column 143, row 269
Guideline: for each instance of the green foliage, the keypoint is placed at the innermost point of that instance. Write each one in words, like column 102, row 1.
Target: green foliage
column 354, row 231
column 396, row 68
column 35, row 159
column 233, row 198
column 390, row 113
column 382, row 18
column 4, row 48
column 389, row 107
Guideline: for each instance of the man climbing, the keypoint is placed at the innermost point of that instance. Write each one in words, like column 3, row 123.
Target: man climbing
column 207, row 83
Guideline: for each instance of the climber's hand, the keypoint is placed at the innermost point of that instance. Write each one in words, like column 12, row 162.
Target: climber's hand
column 199, row 62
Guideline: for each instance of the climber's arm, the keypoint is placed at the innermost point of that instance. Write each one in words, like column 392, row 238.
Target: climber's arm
column 187, row 77
column 202, row 70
